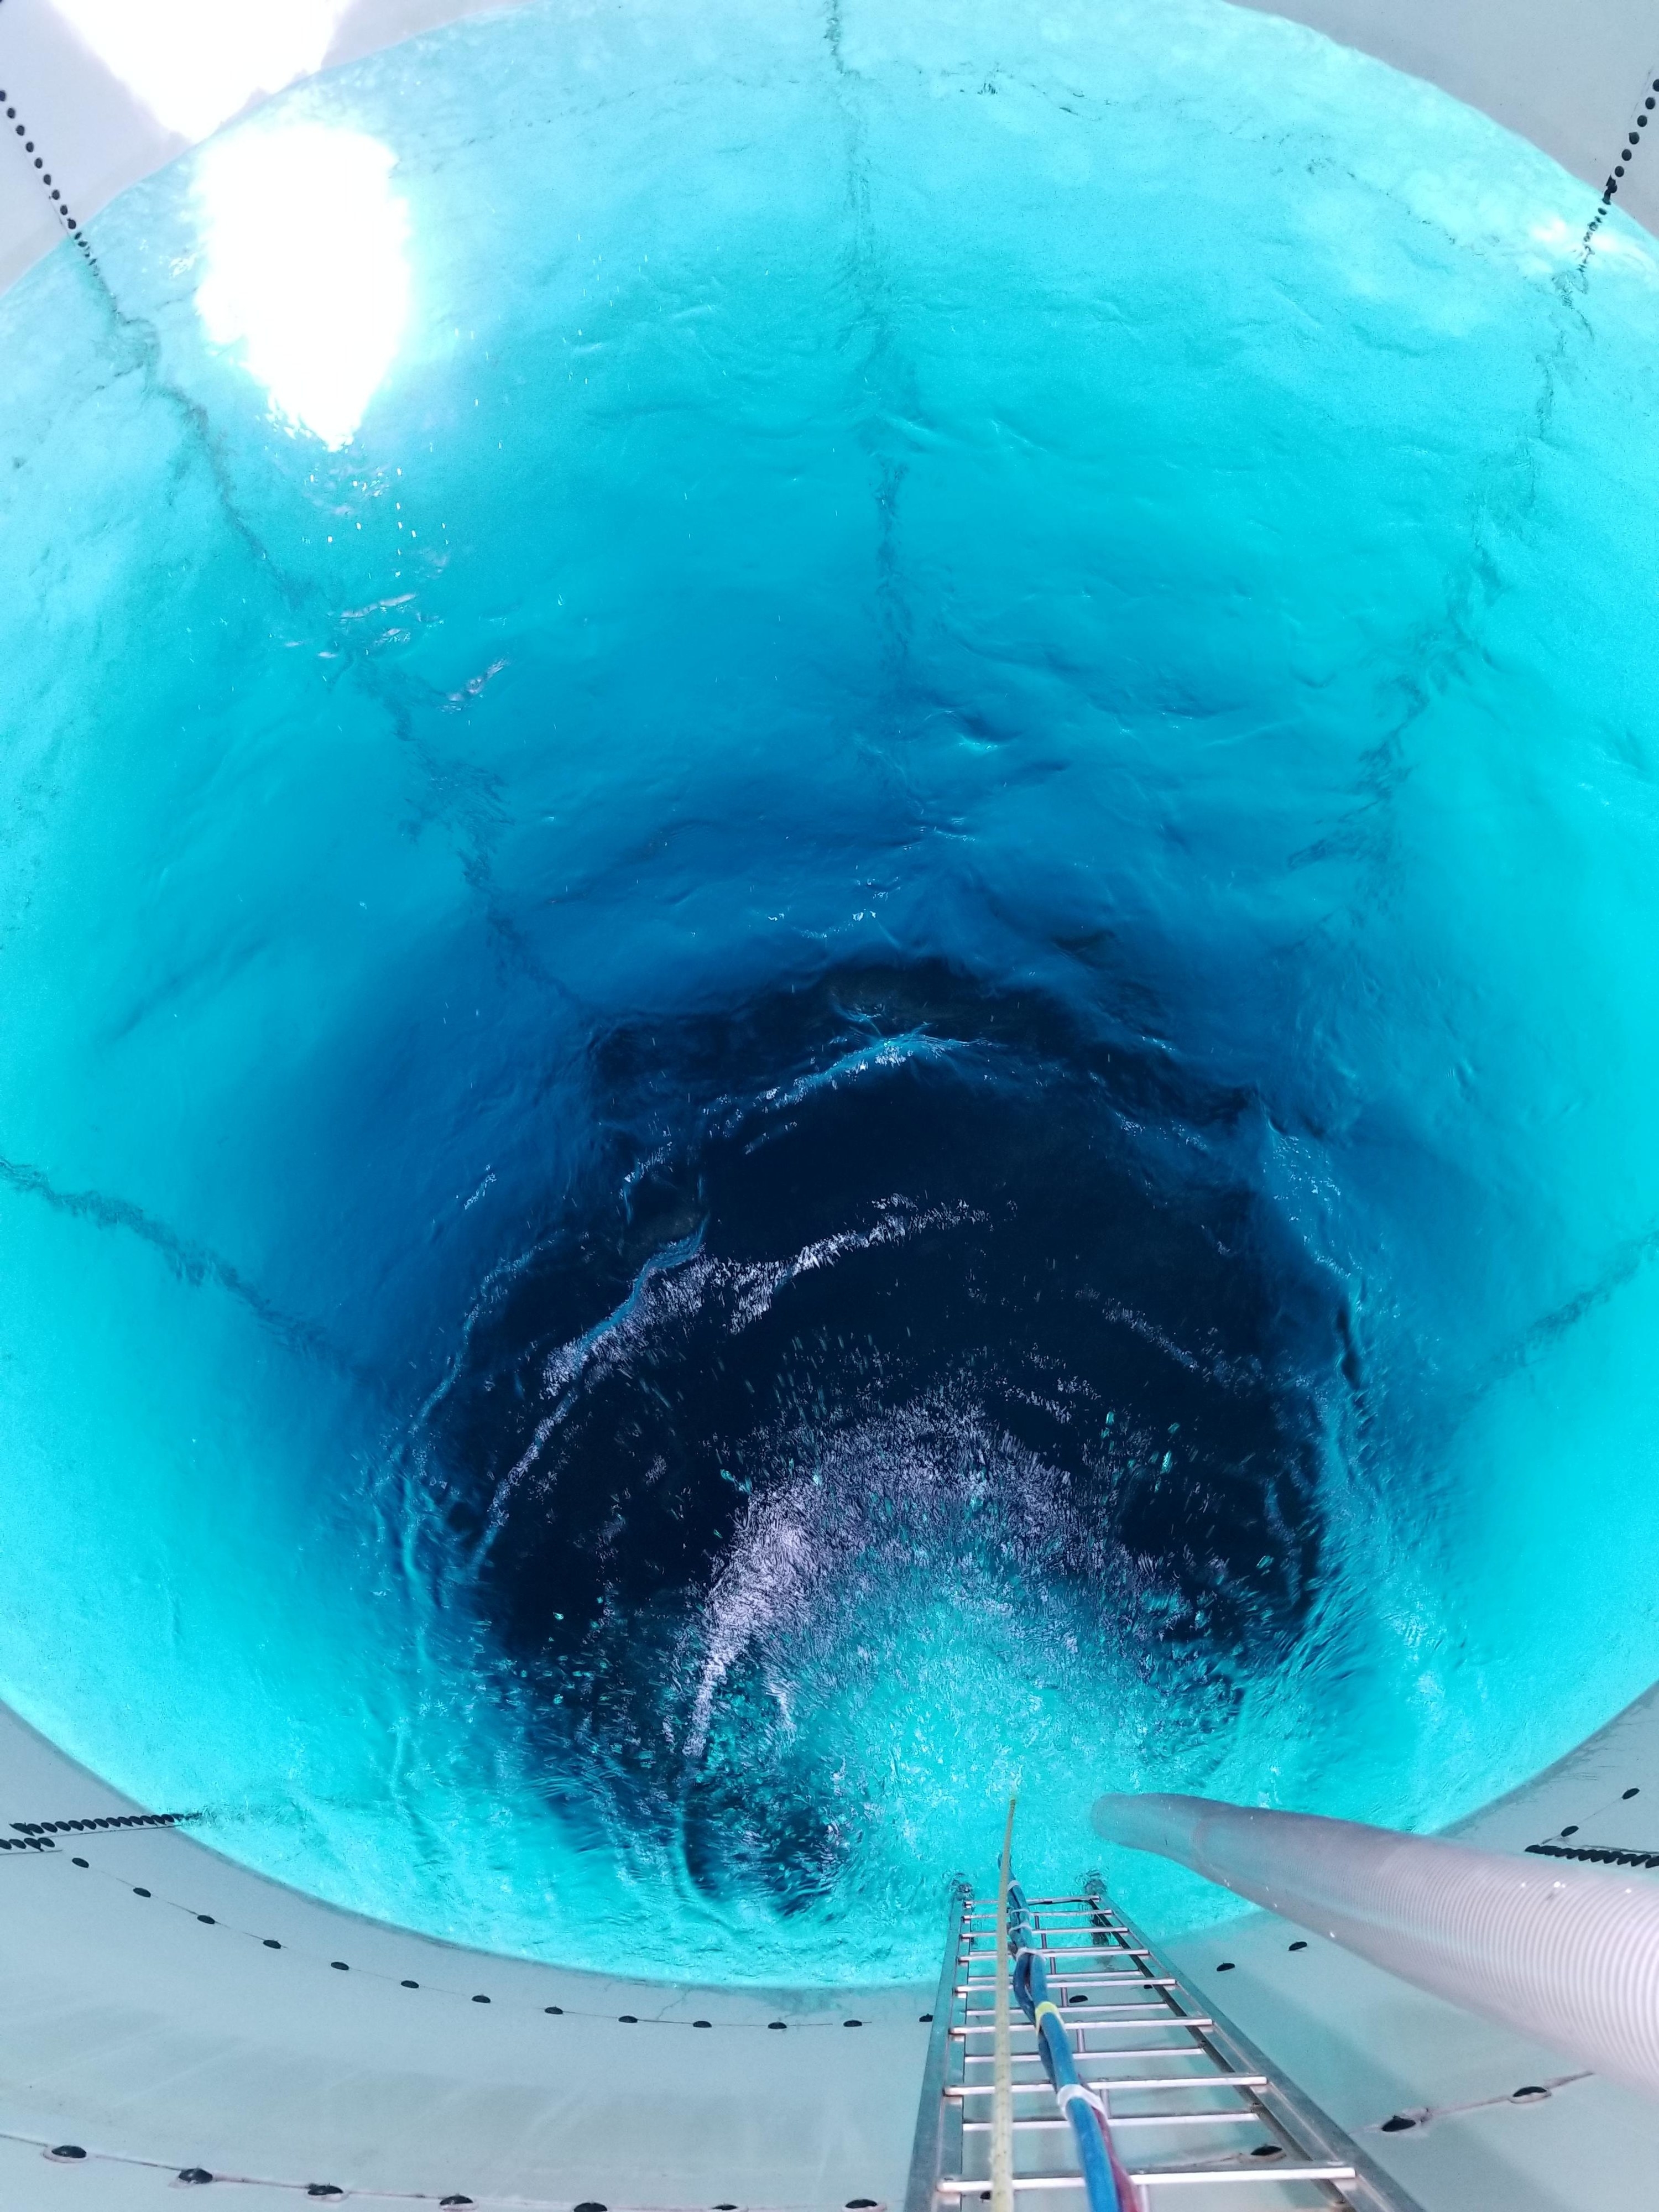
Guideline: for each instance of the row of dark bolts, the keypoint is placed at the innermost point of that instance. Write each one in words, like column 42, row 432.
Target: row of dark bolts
column 197, row 2174
column 46, row 174
column 36, row 1837
column 1632, row 142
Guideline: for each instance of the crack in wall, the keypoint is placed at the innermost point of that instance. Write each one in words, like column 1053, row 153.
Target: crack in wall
column 195, row 1265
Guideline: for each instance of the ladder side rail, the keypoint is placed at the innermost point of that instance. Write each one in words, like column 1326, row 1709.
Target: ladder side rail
column 938, row 2118
column 1285, row 2111
column 1263, row 2097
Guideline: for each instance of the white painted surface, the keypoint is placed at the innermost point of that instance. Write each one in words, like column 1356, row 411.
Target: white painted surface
column 136, row 2030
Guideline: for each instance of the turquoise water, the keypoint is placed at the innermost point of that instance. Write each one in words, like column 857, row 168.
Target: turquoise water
column 827, row 910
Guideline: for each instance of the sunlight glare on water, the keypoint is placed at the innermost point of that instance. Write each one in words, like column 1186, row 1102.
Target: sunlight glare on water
column 306, row 272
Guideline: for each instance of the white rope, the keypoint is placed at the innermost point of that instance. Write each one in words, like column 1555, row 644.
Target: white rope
column 1002, row 2098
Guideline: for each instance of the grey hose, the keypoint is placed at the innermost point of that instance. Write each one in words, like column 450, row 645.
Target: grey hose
column 1566, row 1954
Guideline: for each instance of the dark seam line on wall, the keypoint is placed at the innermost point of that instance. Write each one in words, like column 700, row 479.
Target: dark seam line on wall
column 193, row 1264
column 59, row 206
column 1627, row 154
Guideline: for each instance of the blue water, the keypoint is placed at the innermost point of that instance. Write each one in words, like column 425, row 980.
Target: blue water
column 830, row 874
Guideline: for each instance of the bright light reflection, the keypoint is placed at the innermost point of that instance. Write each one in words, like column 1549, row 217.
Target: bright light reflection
column 195, row 63
column 308, row 268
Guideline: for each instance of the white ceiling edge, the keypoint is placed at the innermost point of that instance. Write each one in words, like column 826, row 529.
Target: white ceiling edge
column 1570, row 79
column 97, row 136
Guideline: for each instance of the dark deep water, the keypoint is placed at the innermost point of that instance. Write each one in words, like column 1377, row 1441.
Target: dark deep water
column 889, row 1272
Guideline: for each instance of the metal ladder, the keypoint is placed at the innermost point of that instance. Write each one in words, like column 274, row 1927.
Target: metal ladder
column 1193, row 2105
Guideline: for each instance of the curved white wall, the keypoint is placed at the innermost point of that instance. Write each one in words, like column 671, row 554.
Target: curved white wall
column 1570, row 78
column 154, row 2038
column 109, row 90
column 167, row 2009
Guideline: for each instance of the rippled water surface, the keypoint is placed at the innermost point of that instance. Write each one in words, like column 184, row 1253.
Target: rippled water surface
column 827, row 907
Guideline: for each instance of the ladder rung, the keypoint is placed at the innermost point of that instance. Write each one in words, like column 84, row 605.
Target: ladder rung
column 987, row 1981
column 983, row 1987
column 1126, row 2080
column 1098, row 1929
column 1147, row 2176
column 1023, row 2027
column 1128, row 2016
column 1121, row 2050
column 1068, row 1950
column 1101, row 1919
column 1242, row 2118
column 1049, row 1920
column 988, row 1905
column 1028, row 2053
column 1045, row 2088
column 1151, row 2019
column 1094, row 2051
column 1102, row 2016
